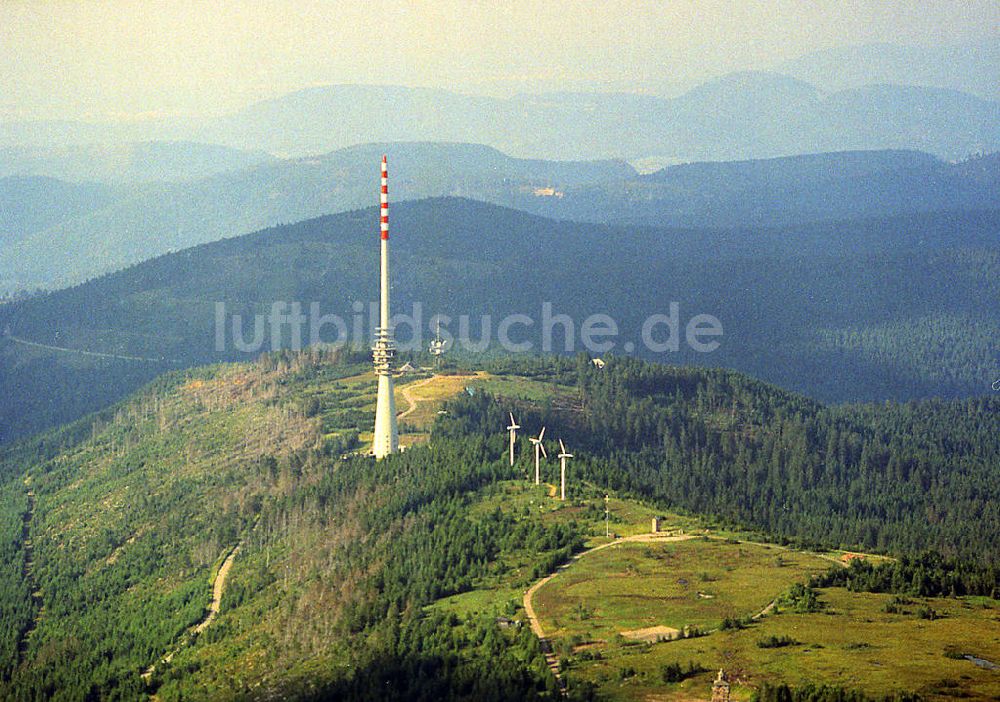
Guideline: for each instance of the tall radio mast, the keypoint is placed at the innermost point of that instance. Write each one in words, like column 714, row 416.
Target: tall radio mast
column 386, row 438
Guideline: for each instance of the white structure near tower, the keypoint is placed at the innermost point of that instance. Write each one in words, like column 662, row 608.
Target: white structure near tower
column 514, row 426
column 386, row 437
column 563, row 455
column 539, row 452
column 438, row 345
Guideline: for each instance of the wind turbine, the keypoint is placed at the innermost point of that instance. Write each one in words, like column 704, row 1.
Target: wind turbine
column 563, row 455
column 539, row 452
column 514, row 426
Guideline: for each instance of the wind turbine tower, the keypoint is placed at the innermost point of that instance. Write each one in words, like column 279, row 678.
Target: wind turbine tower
column 386, row 438
column 563, row 455
column 514, row 426
column 539, row 452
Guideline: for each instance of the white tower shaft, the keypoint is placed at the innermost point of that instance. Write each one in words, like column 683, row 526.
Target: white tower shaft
column 384, row 254
column 562, row 472
column 563, row 455
column 386, row 437
column 538, row 457
column 514, row 426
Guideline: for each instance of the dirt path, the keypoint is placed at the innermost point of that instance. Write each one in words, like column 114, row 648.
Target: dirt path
column 92, row 354
column 529, row 609
column 407, row 392
column 536, row 626
column 218, row 590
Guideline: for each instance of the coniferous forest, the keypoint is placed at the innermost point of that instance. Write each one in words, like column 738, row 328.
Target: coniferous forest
column 901, row 478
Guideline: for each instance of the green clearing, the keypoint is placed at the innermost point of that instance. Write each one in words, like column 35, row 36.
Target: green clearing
column 503, row 596
column 852, row 642
column 522, row 388
column 430, row 392
column 695, row 583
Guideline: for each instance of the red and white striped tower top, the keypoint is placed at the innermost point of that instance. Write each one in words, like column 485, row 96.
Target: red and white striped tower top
column 384, row 331
column 385, row 200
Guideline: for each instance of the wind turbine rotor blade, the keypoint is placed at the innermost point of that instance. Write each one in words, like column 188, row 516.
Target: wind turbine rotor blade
column 542, row 447
column 541, row 434
column 512, row 422
column 562, row 445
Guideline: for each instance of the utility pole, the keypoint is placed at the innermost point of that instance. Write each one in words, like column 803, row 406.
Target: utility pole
column 607, row 518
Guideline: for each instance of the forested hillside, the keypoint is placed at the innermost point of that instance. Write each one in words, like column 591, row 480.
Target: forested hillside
column 856, row 310
column 785, row 191
column 129, row 522
column 119, row 523
column 146, row 220
column 112, row 161
column 893, row 477
column 33, row 203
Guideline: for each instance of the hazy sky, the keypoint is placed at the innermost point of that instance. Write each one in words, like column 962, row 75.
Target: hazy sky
column 113, row 58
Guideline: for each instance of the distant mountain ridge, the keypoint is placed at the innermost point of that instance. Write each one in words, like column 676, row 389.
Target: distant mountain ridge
column 790, row 190
column 845, row 310
column 748, row 115
column 155, row 219
column 159, row 218
column 32, row 203
column 740, row 116
column 127, row 163
column 972, row 68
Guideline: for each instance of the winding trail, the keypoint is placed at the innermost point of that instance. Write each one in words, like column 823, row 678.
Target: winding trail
column 407, row 392
column 538, row 631
column 92, row 354
column 529, row 609
column 218, row 590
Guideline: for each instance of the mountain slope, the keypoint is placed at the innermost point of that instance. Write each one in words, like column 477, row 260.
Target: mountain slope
column 32, row 203
column 744, row 115
column 863, row 309
column 125, row 163
column 336, row 561
column 164, row 218
column 399, row 580
column 972, row 68
column 789, row 190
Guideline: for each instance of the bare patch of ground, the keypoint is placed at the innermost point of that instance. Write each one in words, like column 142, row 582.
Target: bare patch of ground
column 652, row 634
